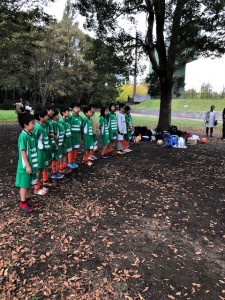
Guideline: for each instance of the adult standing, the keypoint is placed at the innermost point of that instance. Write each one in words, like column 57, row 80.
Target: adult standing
column 28, row 108
column 223, row 131
column 210, row 119
column 19, row 109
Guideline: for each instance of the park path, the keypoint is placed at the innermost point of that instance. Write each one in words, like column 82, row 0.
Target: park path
column 196, row 116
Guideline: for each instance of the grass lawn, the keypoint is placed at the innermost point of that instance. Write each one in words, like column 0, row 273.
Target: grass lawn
column 8, row 116
column 151, row 122
column 178, row 104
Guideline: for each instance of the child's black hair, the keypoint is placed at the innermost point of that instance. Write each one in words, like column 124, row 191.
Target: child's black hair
column 102, row 111
column 74, row 104
column 110, row 106
column 64, row 109
column 49, row 106
column 121, row 105
column 24, row 119
column 91, row 105
column 40, row 112
column 127, row 108
column 86, row 109
column 56, row 112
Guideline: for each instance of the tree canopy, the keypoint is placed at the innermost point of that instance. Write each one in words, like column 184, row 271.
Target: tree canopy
column 176, row 32
column 44, row 59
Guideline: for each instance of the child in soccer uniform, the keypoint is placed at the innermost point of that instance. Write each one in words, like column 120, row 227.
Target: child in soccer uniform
column 75, row 121
column 26, row 174
column 59, row 132
column 67, row 159
column 103, row 126
column 94, row 130
column 53, row 145
column 122, row 128
column 87, row 135
column 129, row 123
column 113, row 130
column 42, row 140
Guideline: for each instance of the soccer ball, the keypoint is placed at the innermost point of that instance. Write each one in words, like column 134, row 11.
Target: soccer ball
column 160, row 142
column 136, row 140
column 203, row 140
column 95, row 148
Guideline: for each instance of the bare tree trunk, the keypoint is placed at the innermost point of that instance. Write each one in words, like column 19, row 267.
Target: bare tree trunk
column 164, row 121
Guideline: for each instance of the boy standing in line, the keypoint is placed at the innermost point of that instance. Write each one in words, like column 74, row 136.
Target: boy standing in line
column 103, row 126
column 87, row 135
column 42, row 140
column 75, row 121
column 112, row 124
column 26, row 174
column 53, row 145
column 94, row 130
column 68, row 147
column 129, row 124
column 122, row 128
column 59, row 132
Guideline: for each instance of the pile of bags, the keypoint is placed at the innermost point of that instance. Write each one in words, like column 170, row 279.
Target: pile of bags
column 172, row 138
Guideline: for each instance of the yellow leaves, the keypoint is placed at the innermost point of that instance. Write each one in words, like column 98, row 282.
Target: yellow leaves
column 127, row 90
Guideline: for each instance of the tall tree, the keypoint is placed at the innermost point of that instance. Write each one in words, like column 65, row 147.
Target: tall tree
column 176, row 30
column 21, row 23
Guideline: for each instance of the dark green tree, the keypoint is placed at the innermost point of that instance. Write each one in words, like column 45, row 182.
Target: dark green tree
column 21, row 24
column 191, row 27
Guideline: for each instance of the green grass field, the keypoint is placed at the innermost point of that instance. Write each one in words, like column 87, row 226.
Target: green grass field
column 151, row 122
column 8, row 116
column 178, row 104
column 182, row 124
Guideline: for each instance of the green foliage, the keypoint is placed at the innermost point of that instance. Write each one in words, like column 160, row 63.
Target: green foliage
column 191, row 93
column 153, row 84
column 176, row 33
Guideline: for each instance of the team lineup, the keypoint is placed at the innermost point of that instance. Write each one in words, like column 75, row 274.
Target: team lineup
column 48, row 140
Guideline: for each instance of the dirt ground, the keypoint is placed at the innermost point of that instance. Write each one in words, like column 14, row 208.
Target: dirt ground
column 145, row 225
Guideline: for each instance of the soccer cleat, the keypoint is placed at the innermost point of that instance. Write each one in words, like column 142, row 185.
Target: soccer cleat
column 45, row 189
column 71, row 166
column 128, row 150
column 57, row 176
column 104, row 156
column 87, row 163
column 40, row 192
column 75, row 166
column 111, row 153
column 120, row 152
column 91, row 158
column 65, row 172
column 94, row 157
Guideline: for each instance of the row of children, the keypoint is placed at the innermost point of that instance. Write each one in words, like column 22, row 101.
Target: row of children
column 54, row 140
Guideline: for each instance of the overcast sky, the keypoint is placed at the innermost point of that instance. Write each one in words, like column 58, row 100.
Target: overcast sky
column 203, row 70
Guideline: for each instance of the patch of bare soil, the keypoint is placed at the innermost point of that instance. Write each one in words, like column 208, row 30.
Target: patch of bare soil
column 145, row 225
